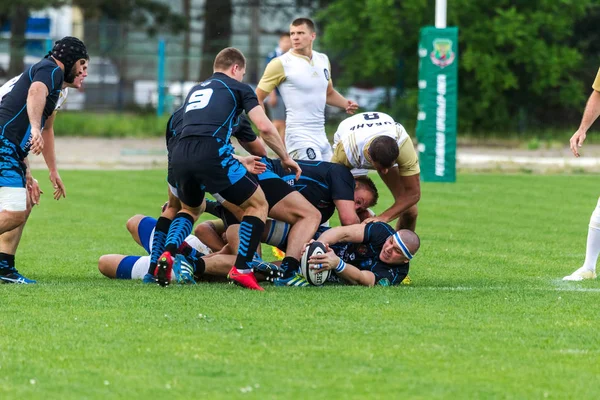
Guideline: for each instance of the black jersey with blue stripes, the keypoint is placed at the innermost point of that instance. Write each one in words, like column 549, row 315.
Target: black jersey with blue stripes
column 366, row 254
column 14, row 120
column 242, row 130
column 212, row 107
column 321, row 183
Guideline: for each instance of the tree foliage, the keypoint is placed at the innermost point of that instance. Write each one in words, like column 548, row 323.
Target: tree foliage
column 519, row 59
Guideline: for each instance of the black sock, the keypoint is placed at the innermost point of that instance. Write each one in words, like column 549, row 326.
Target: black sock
column 7, row 260
column 290, row 266
column 199, row 267
column 251, row 229
column 158, row 241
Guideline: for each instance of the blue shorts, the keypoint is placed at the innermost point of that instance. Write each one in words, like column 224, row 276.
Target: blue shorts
column 12, row 168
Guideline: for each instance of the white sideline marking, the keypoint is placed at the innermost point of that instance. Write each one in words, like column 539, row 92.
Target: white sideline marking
column 470, row 288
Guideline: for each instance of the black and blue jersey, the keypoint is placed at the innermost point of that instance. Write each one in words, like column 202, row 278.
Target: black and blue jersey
column 212, row 107
column 242, row 130
column 14, row 120
column 365, row 255
column 321, row 183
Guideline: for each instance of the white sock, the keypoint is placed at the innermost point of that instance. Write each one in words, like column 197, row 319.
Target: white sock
column 592, row 249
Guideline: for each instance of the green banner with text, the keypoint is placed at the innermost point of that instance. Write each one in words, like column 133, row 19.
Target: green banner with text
column 438, row 92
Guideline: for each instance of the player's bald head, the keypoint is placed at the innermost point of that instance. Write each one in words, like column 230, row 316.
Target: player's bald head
column 410, row 239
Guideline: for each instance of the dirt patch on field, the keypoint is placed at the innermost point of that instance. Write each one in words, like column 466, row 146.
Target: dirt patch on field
column 90, row 153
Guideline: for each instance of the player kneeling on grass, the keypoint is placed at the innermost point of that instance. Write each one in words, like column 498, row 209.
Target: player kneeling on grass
column 367, row 254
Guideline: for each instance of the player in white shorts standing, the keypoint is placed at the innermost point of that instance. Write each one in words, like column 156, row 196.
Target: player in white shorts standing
column 72, row 54
column 374, row 141
column 303, row 77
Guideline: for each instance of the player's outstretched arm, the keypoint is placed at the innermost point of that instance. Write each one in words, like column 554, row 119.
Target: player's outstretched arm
column 351, row 233
column 269, row 134
column 406, row 191
column 36, row 100
column 50, row 158
column 346, row 271
column 590, row 114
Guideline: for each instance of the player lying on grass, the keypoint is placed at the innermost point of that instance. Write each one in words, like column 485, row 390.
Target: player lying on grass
column 372, row 254
column 284, row 203
column 367, row 254
column 142, row 230
column 360, row 254
column 374, row 140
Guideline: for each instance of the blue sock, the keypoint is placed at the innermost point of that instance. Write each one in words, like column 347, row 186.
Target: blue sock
column 181, row 227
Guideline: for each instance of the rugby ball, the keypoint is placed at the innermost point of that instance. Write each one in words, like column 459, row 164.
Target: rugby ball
column 313, row 276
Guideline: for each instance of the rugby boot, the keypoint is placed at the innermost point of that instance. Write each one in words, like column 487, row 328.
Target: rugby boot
column 11, row 275
column 164, row 269
column 247, row 280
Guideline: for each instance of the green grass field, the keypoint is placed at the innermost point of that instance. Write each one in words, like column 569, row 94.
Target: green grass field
column 487, row 315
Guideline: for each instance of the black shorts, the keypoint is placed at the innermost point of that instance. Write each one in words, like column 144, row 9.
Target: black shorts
column 202, row 164
column 275, row 190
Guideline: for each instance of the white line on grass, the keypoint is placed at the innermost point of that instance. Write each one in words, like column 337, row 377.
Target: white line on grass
column 470, row 288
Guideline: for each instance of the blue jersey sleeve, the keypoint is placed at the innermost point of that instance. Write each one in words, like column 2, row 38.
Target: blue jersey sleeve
column 342, row 183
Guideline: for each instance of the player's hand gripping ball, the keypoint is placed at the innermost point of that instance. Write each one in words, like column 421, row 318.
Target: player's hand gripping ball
column 313, row 276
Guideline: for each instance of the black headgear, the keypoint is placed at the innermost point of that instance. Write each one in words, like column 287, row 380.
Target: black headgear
column 68, row 50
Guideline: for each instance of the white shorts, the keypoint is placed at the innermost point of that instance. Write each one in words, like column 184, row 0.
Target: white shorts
column 312, row 153
column 308, row 144
column 13, row 199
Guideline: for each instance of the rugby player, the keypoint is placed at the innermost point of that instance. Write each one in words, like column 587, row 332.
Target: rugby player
column 27, row 113
column 246, row 137
column 275, row 101
column 303, row 77
column 371, row 254
column 590, row 114
column 202, row 161
column 374, row 140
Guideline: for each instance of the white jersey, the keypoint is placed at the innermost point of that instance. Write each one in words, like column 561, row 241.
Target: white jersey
column 302, row 83
column 8, row 86
column 354, row 134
